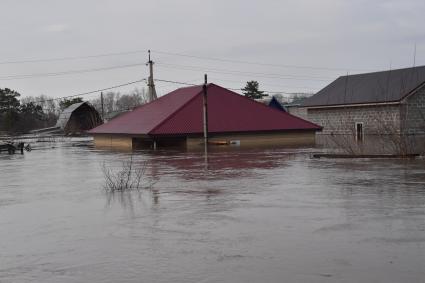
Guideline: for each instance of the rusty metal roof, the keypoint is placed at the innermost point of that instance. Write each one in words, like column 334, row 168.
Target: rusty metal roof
column 180, row 112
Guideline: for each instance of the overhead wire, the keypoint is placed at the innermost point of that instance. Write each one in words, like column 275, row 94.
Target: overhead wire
column 213, row 78
column 70, row 57
column 242, row 73
column 257, row 63
column 165, row 65
column 91, row 92
column 175, row 82
column 138, row 81
column 234, row 89
column 67, row 58
column 69, row 72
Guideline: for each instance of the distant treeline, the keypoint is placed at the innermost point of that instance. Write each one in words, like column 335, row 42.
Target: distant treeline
column 23, row 114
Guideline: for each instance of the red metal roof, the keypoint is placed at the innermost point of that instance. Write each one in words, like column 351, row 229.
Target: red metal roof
column 180, row 112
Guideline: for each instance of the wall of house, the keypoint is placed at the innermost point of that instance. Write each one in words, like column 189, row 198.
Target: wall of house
column 113, row 141
column 298, row 111
column 413, row 121
column 381, row 128
column 304, row 138
column 413, row 114
column 375, row 119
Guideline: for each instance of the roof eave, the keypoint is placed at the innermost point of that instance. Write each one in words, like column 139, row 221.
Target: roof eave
column 352, row 105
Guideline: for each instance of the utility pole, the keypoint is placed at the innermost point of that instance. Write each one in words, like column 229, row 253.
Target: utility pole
column 101, row 103
column 205, row 120
column 151, row 85
column 205, row 110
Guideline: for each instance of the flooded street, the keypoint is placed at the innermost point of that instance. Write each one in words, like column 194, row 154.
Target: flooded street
column 272, row 215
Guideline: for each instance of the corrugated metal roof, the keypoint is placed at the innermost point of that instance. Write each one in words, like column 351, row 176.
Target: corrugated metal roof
column 66, row 114
column 180, row 112
column 143, row 119
column 377, row 87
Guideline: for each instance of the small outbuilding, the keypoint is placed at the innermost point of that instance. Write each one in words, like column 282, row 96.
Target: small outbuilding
column 380, row 111
column 177, row 119
column 78, row 118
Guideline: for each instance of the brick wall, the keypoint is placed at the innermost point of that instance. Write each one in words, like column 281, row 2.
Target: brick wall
column 375, row 119
column 381, row 128
column 398, row 128
column 298, row 111
column 413, row 114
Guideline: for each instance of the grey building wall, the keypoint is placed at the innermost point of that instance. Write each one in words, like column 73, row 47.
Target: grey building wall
column 381, row 128
column 375, row 119
column 298, row 111
column 413, row 122
column 413, row 114
column 396, row 128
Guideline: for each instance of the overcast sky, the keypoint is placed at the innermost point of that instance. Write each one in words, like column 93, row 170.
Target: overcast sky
column 301, row 45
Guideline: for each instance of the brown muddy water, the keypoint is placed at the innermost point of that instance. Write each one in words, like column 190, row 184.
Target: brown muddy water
column 271, row 215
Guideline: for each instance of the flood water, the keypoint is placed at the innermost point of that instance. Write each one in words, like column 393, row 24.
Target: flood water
column 271, row 215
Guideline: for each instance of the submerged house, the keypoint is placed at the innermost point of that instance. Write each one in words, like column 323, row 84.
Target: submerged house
column 385, row 108
column 176, row 119
column 78, row 118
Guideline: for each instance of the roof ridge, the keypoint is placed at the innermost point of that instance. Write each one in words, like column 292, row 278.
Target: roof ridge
column 382, row 71
column 163, row 96
column 176, row 111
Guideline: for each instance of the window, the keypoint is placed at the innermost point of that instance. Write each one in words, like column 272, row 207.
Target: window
column 359, row 132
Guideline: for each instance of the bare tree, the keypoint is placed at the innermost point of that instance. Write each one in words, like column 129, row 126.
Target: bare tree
column 128, row 177
column 114, row 102
column 133, row 99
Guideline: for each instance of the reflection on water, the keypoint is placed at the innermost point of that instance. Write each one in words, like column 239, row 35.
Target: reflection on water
column 271, row 215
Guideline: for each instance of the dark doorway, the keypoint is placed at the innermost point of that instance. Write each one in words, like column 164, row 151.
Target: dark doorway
column 359, row 132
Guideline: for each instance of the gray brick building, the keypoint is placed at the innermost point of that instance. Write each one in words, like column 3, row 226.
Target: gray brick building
column 373, row 112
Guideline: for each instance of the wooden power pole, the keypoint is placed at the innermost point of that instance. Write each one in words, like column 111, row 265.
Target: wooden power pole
column 205, row 108
column 151, row 85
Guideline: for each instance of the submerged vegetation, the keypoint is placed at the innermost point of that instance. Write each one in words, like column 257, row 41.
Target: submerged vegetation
column 129, row 176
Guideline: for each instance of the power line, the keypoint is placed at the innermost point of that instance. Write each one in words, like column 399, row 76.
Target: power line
column 243, row 73
column 92, row 56
column 70, row 72
column 70, row 57
column 234, row 89
column 138, row 81
column 175, row 82
column 91, row 92
column 213, row 78
column 237, row 73
column 172, row 66
column 257, row 63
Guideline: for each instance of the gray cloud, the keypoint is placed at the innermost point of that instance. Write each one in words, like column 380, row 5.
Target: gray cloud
column 349, row 35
